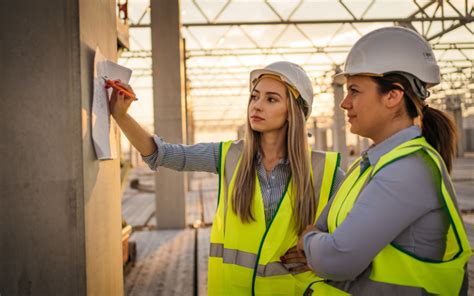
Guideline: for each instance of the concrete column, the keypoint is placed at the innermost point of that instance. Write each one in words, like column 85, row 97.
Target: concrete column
column 60, row 219
column 169, row 104
column 320, row 137
column 339, row 135
column 453, row 106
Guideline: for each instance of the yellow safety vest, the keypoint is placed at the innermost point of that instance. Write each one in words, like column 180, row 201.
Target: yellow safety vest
column 245, row 257
column 394, row 265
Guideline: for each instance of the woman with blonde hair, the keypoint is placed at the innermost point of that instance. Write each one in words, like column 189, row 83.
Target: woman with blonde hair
column 271, row 185
column 393, row 227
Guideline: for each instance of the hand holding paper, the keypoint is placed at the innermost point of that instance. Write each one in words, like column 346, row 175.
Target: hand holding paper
column 121, row 99
column 103, row 132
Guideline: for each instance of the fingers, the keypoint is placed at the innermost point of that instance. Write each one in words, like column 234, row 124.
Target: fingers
column 297, row 260
column 119, row 95
column 299, row 269
column 293, row 256
column 125, row 86
column 290, row 254
column 117, row 84
column 124, row 98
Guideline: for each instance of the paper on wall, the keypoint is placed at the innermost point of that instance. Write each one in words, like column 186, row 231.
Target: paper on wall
column 103, row 131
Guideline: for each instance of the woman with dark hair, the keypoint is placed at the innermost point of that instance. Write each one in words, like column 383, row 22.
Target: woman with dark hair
column 393, row 227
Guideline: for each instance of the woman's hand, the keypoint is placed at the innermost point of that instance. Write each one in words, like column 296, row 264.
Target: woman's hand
column 119, row 101
column 309, row 228
column 295, row 261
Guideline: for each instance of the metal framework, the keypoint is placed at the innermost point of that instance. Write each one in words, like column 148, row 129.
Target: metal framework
column 221, row 47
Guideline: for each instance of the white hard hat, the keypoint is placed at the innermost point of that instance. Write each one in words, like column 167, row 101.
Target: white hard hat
column 293, row 75
column 393, row 49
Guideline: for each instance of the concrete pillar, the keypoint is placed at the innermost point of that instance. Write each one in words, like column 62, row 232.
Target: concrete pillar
column 339, row 135
column 320, row 137
column 169, row 104
column 60, row 219
column 453, row 106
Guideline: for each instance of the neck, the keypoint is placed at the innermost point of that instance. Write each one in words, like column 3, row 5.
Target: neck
column 273, row 145
column 393, row 127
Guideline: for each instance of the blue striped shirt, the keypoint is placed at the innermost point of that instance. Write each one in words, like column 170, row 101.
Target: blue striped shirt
column 205, row 157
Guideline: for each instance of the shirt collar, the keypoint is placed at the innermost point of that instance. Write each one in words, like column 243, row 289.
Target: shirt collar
column 374, row 152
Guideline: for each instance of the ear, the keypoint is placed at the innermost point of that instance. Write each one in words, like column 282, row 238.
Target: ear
column 394, row 97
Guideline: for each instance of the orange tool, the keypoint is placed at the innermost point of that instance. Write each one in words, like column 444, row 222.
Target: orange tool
column 118, row 87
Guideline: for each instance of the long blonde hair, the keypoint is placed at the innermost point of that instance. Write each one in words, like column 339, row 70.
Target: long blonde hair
column 302, row 195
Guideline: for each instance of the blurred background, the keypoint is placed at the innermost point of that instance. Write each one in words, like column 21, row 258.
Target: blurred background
column 225, row 40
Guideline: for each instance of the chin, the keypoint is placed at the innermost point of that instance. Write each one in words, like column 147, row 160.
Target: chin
column 261, row 129
column 355, row 131
column 256, row 129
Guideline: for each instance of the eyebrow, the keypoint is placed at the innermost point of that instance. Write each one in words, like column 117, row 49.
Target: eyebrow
column 269, row 93
column 273, row 93
column 352, row 85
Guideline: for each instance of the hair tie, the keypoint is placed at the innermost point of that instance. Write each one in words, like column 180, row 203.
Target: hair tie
column 425, row 108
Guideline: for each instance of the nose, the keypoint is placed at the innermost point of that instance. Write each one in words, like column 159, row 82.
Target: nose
column 257, row 105
column 346, row 103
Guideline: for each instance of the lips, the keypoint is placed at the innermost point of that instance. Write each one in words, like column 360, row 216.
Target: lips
column 350, row 117
column 256, row 118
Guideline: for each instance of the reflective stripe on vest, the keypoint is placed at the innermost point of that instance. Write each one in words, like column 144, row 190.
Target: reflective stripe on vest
column 394, row 265
column 246, row 259
column 247, row 262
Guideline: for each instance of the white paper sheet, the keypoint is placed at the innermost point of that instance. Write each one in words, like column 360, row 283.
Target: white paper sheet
column 103, row 132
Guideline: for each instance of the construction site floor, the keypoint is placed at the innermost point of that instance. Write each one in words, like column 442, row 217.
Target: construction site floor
column 174, row 262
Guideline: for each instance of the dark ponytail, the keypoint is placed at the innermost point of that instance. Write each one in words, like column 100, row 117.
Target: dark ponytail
column 438, row 128
column 440, row 131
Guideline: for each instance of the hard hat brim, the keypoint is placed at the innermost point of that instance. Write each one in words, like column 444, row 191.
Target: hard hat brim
column 345, row 74
column 341, row 77
column 255, row 74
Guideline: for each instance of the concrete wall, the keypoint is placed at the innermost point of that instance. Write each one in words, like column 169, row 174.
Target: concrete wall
column 59, row 207
column 102, row 194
